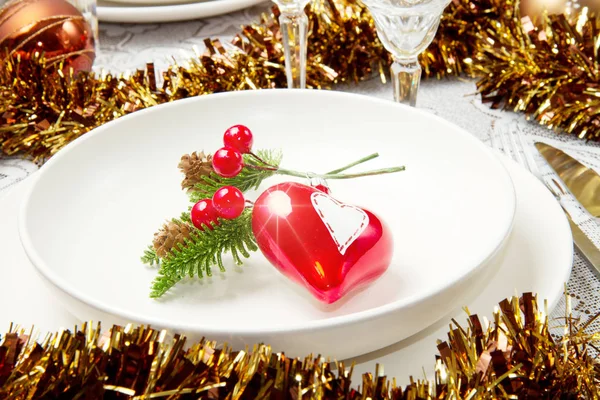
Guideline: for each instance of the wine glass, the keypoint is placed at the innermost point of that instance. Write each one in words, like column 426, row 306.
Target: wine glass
column 88, row 10
column 406, row 28
column 294, row 26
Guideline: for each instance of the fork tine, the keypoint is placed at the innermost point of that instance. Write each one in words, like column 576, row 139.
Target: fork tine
column 516, row 148
column 533, row 167
column 494, row 136
column 502, row 133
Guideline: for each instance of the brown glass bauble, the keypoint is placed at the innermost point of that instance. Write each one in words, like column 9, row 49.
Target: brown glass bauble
column 54, row 28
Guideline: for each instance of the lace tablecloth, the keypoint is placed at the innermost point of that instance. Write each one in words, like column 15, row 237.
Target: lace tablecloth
column 129, row 46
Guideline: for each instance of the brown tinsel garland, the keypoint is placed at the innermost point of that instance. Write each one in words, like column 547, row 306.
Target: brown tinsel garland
column 514, row 357
column 549, row 71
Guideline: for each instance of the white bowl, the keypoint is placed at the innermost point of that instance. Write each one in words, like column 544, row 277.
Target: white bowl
column 94, row 208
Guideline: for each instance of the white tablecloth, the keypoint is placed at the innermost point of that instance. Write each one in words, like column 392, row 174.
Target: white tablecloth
column 129, row 46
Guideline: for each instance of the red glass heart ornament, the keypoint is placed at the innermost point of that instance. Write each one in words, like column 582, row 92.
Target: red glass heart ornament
column 327, row 246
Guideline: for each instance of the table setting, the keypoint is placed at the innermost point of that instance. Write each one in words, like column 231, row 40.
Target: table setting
column 299, row 199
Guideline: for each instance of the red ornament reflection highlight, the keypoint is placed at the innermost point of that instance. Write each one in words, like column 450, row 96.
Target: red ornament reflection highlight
column 329, row 247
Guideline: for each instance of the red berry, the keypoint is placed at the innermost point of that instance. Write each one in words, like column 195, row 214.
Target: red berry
column 204, row 214
column 229, row 202
column 239, row 137
column 227, row 162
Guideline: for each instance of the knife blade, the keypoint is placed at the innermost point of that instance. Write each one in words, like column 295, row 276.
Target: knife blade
column 583, row 182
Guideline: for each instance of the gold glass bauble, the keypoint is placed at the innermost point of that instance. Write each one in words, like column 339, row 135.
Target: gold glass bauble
column 535, row 8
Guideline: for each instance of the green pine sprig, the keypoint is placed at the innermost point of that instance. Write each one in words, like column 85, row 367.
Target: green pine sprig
column 247, row 179
column 150, row 257
column 204, row 250
column 185, row 216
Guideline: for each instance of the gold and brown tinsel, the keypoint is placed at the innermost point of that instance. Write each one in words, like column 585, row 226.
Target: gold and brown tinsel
column 53, row 27
column 169, row 235
column 550, row 71
column 195, row 167
column 514, row 357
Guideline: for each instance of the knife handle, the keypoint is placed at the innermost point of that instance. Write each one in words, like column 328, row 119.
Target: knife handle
column 586, row 247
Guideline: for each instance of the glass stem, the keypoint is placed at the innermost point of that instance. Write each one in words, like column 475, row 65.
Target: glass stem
column 88, row 10
column 406, row 75
column 294, row 27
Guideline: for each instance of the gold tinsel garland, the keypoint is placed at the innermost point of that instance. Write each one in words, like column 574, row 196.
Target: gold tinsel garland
column 515, row 357
column 550, row 72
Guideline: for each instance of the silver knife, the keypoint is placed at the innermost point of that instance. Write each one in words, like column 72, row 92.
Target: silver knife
column 583, row 182
column 577, row 177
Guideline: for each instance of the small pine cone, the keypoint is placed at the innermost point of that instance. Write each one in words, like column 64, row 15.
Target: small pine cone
column 195, row 166
column 169, row 235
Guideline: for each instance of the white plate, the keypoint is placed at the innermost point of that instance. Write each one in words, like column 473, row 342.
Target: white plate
column 152, row 3
column 118, row 12
column 94, row 207
column 536, row 259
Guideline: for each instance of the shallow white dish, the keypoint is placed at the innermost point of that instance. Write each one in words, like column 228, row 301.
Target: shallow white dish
column 121, row 12
column 94, row 207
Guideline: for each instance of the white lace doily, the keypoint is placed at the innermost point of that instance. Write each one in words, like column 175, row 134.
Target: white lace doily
column 127, row 47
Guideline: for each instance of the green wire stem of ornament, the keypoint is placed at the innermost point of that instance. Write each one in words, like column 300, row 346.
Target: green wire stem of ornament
column 335, row 174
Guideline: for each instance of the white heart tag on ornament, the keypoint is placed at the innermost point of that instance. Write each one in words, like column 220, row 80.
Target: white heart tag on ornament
column 344, row 222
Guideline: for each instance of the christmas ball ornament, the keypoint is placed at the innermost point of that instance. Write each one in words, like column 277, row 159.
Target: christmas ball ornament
column 329, row 247
column 52, row 27
column 227, row 162
column 240, row 138
column 229, row 202
column 204, row 214
column 536, row 8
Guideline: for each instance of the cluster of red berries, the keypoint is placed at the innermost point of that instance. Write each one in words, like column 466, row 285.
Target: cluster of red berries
column 228, row 202
column 228, row 160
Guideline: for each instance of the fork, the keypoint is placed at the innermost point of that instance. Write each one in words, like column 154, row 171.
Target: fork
column 509, row 140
